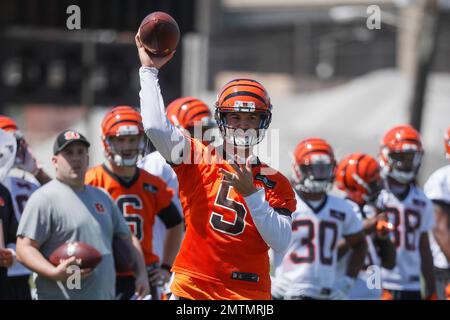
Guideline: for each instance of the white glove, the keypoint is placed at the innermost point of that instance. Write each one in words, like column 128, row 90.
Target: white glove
column 342, row 288
column 277, row 290
column 27, row 161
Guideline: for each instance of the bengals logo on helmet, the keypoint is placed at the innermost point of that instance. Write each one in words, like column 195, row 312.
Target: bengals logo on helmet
column 186, row 112
column 358, row 175
column 2, row 202
column 119, row 117
column 243, row 95
column 71, row 135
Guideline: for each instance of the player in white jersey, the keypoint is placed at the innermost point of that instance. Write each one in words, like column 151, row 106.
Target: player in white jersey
column 155, row 164
column 20, row 188
column 18, row 276
column 25, row 160
column 437, row 189
column 411, row 214
column 358, row 175
column 308, row 268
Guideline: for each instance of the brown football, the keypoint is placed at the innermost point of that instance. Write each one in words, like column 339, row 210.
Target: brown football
column 86, row 255
column 159, row 33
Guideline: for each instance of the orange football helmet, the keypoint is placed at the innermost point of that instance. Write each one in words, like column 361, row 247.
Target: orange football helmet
column 122, row 121
column 447, row 143
column 192, row 115
column 188, row 112
column 401, row 153
column 243, row 95
column 8, row 124
column 314, row 166
column 358, row 175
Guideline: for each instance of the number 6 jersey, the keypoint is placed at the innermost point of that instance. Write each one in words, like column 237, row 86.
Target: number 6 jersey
column 410, row 216
column 139, row 200
column 309, row 265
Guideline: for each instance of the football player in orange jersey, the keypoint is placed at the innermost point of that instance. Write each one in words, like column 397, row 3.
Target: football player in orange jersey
column 187, row 113
column 139, row 195
column 235, row 208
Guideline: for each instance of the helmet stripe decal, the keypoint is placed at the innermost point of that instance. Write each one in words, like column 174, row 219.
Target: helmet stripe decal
column 245, row 93
column 242, row 85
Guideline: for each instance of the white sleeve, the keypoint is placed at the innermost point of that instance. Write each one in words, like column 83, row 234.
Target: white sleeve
column 172, row 182
column 275, row 228
column 167, row 139
column 436, row 187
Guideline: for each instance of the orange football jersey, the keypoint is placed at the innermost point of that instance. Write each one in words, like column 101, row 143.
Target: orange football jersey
column 222, row 244
column 139, row 199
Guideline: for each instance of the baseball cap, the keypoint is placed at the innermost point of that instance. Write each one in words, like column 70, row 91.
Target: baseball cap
column 67, row 137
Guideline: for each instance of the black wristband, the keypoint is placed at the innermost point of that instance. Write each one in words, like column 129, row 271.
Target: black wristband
column 166, row 266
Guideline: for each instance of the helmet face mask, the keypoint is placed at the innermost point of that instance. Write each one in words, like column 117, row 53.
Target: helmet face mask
column 314, row 166
column 123, row 136
column 373, row 191
column 315, row 178
column 240, row 137
column 126, row 150
column 401, row 154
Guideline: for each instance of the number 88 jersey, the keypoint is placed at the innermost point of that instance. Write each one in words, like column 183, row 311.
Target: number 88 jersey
column 309, row 265
column 410, row 216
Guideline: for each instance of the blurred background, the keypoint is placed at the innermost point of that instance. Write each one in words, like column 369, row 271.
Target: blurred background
column 341, row 70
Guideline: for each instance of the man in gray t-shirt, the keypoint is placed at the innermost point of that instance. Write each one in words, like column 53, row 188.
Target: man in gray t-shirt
column 67, row 210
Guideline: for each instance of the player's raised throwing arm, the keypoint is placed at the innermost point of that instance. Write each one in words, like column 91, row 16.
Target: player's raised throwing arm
column 166, row 138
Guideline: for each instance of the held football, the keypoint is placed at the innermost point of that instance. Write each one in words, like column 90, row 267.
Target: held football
column 159, row 33
column 86, row 255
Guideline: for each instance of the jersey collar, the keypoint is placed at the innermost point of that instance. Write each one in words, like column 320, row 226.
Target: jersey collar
column 120, row 180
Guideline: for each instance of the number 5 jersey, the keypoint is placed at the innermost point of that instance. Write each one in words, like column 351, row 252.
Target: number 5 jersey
column 222, row 245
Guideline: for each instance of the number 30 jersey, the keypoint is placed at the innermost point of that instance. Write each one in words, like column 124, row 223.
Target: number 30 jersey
column 309, row 265
column 411, row 217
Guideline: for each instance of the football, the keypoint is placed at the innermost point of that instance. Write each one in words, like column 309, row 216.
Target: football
column 159, row 33
column 124, row 259
column 86, row 255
